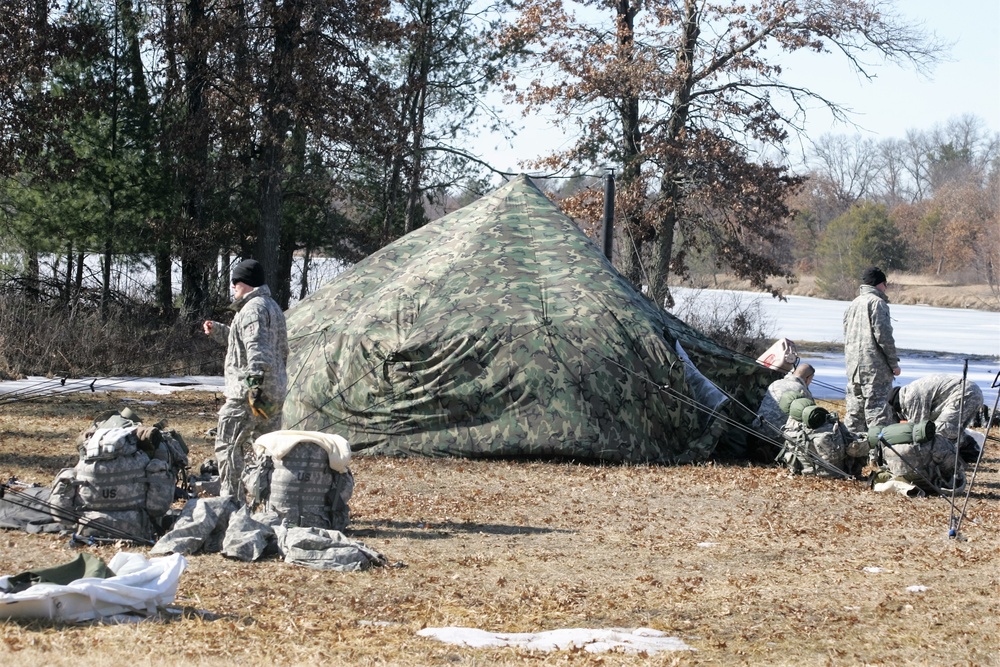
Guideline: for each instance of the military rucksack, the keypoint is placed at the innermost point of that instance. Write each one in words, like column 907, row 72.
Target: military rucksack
column 818, row 443
column 125, row 480
column 917, row 454
column 297, row 481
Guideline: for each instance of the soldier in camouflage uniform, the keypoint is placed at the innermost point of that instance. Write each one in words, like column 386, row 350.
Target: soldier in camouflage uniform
column 869, row 353
column 936, row 398
column 256, row 353
column 770, row 418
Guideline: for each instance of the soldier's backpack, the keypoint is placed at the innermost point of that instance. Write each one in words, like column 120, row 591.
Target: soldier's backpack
column 303, row 476
column 125, row 480
column 917, row 454
column 818, row 443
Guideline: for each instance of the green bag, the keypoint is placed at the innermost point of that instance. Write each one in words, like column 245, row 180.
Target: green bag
column 902, row 434
column 814, row 416
column 785, row 402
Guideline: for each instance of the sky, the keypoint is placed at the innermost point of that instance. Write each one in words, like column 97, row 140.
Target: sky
column 967, row 81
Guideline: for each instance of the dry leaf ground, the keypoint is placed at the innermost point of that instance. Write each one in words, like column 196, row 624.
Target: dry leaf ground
column 744, row 563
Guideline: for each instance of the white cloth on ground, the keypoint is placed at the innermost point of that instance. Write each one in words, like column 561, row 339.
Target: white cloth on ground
column 140, row 585
column 597, row 640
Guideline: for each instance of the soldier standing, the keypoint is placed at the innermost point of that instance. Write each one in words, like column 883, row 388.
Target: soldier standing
column 256, row 353
column 870, row 354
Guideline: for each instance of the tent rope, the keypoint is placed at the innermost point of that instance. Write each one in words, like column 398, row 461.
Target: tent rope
column 979, row 457
column 725, row 419
column 635, row 248
column 27, row 501
column 952, row 520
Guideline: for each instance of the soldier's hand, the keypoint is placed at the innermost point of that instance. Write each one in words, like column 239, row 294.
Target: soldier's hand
column 896, row 371
column 260, row 406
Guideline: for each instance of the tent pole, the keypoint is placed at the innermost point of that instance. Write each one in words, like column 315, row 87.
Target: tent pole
column 607, row 230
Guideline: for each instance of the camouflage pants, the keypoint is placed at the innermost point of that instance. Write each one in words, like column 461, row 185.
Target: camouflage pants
column 238, row 428
column 866, row 405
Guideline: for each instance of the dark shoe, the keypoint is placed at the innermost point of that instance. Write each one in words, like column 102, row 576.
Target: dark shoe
column 968, row 450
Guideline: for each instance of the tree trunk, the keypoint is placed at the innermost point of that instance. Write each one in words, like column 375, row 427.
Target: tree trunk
column 31, row 273
column 106, row 279
column 394, row 186
column 68, row 282
column 630, row 238
column 414, row 212
column 659, row 289
column 225, row 261
column 164, row 283
column 78, row 281
column 279, row 96
column 194, row 285
column 304, row 283
column 422, row 57
column 194, row 262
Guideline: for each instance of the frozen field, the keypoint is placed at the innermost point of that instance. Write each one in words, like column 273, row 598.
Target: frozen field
column 931, row 340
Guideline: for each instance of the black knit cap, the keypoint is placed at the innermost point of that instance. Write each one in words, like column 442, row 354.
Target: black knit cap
column 873, row 276
column 250, row 272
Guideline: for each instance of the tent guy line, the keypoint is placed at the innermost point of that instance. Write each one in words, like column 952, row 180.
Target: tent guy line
column 979, row 457
column 953, row 519
column 722, row 417
column 27, row 501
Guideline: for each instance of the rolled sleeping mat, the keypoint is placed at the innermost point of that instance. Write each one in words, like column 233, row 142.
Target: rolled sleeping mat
column 902, row 434
column 814, row 416
column 796, row 407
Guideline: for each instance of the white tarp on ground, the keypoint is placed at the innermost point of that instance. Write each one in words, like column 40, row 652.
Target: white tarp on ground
column 636, row 640
column 34, row 386
column 140, row 586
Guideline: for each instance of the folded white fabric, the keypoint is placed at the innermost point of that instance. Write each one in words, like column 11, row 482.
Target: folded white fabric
column 901, row 487
column 279, row 443
column 102, row 444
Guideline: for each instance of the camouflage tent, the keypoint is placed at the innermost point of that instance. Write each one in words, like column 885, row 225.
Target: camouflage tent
column 501, row 330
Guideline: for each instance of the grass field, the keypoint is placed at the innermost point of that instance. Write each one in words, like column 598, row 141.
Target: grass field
column 743, row 563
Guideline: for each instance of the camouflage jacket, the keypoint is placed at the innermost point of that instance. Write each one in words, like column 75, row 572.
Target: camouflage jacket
column 869, row 348
column 936, row 398
column 769, row 410
column 256, row 345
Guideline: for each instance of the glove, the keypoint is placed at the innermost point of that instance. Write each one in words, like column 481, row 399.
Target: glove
column 260, row 406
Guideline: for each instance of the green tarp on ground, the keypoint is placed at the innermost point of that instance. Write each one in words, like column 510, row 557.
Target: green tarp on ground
column 501, row 330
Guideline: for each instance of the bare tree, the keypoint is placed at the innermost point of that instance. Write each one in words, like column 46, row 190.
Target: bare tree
column 850, row 163
column 706, row 86
column 892, row 184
